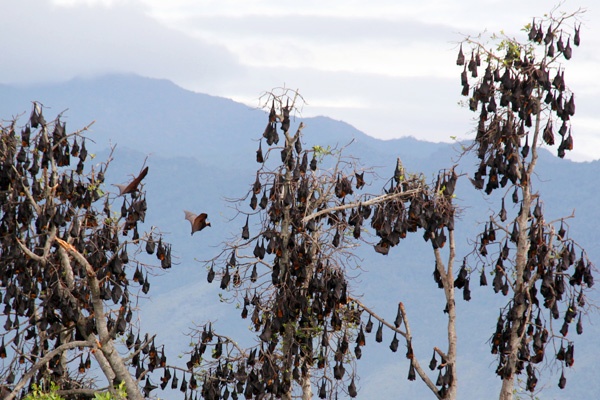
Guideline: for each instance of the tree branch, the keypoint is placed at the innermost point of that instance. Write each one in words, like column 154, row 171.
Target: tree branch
column 42, row 361
column 375, row 200
column 407, row 336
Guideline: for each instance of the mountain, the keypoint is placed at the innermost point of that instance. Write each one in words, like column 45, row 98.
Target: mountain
column 200, row 150
column 155, row 116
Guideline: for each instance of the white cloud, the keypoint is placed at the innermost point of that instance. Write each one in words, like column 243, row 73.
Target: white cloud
column 60, row 43
column 586, row 133
column 89, row 3
column 394, row 48
column 386, row 66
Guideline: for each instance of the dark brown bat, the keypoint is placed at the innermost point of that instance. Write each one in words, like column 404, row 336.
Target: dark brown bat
column 562, row 382
column 360, row 179
column 482, row 278
column 246, row 230
column 379, row 334
column 433, row 362
column 259, row 154
column 460, row 60
column 398, row 320
column 198, row 221
column 211, row 275
column 133, row 185
column 338, row 371
column 369, row 325
column 323, row 390
column 567, row 51
column 394, row 344
column 352, row 389
column 361, row 340
column 411, row 372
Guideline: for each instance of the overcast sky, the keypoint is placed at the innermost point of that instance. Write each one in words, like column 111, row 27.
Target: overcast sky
column 385, row 66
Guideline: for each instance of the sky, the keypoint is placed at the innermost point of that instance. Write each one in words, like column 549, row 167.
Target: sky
column 386, row 67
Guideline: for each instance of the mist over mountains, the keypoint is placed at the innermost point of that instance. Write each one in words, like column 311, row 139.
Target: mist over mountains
column 200, row 150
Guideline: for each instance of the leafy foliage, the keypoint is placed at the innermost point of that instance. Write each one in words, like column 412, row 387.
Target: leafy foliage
column 38, row 394
column 121, row 394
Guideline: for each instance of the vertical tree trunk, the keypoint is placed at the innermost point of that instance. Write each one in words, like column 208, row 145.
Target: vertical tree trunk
column 521, row 288
column 447, row 275
column 307, row 387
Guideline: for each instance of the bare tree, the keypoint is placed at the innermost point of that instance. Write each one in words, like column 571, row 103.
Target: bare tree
column 292, row 276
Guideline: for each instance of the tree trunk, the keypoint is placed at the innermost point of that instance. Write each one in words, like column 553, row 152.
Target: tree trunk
column 307, row 387
column 520, row 286
column 447, row 277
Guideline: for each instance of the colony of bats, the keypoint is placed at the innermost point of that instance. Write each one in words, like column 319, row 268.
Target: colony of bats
column 521, row 102
column 290, row 276
column 48, row 212
column 289, row 267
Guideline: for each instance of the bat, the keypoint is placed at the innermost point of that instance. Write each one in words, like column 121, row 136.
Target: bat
column 198, row 221
column 394, row 344
column 460, row 60
column 133, row 185
column 352, row 389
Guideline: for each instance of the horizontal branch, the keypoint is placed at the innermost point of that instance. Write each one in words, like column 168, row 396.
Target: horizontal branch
column 406, row 335
column 375, row 200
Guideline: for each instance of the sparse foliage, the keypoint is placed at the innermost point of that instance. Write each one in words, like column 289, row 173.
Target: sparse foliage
column 523, row 102
column 289, row 269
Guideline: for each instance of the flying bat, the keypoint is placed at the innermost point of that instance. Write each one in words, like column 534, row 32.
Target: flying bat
column 133, row 185
column 198, row 221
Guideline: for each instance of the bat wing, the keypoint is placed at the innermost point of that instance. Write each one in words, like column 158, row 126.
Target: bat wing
column 190, row 216
column 132, row 186
column 142, row 175
column 121, row 188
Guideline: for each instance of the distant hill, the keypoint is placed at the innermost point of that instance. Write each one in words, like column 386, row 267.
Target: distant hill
column 155, row 116
column 201, row 151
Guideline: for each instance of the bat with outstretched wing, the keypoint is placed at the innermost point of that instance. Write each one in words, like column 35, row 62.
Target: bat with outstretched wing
column 133, row 185
column 198, row 221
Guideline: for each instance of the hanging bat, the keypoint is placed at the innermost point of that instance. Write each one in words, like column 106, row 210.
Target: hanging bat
column 198, row 221
column 133, row 185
